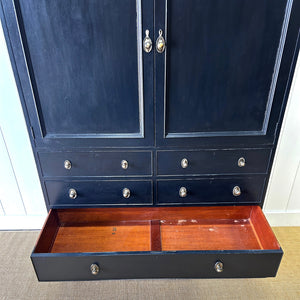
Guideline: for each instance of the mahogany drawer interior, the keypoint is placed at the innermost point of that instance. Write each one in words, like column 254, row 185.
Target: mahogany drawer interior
column 156, row 229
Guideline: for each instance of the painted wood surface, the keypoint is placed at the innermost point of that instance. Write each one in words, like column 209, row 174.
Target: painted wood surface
column 276, row 202
column 217, row 50
column 81, row 89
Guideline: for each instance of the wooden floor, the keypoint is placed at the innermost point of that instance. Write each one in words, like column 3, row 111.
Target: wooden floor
column 18, row 280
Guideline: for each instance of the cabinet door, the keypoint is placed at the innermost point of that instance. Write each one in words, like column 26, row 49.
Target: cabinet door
column 83, row 75
column 220, row 79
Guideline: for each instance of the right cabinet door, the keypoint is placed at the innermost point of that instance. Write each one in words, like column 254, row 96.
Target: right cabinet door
column 220, row 79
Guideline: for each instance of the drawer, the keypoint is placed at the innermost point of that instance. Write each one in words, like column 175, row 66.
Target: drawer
column 101, row 192
column 232, row 190
column 160, row 242
column 213, row 162
column 96, row 163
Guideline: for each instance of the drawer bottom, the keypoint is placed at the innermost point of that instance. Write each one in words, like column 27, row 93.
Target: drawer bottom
column 168, row 242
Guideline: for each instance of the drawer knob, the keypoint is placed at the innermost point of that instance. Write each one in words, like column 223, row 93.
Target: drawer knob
column 219, row 266
column 67, row 164
column 184, row 163
column 94, row 269
column 72, row 193
column 241, row 162
column 182, row 192
column 236, row 191
column 124, row 164
column 126, row 193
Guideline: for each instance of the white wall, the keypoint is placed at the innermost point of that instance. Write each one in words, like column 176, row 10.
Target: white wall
column 21, row 200
column 282, row 203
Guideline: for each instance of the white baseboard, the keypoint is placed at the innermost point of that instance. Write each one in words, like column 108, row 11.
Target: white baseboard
column 283, row 218
column 21, row 222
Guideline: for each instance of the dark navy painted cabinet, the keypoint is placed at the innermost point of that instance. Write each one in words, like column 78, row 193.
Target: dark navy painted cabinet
column 89, row 83
column 156, row 105
column 219, row 81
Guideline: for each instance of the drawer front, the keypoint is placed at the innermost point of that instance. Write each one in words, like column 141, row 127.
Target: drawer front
column 97, row 193
column 212, row 162
column 163, row 265
column 96, row 163
column 210, row 190
column 156, row 242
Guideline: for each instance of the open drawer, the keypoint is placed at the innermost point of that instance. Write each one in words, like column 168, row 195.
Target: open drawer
column 157, row 242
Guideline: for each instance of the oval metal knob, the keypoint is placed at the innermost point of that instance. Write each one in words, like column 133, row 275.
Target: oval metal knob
column 147, row 43
column 182, row 192
column 236, row 191
column 219, row 266
column 241, row 162
column 94, row 269
column 160, row 42
column 184, row 163
column 126, row 193
column 72, row 193
column 124, row 164
column 67, row 164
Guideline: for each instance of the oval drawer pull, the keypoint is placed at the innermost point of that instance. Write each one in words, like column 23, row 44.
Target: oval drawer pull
column 182, row 192
column 124, row 164
column 184, row 163
column 236, row 191
column 94, row 269
column 126, row 193
column 241, row 162
column 72, row 193
column 67, row 164
column 147, row 43
column 219, row 266
column 160, row 42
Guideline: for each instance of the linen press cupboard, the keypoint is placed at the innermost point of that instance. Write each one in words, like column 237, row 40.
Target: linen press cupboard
column 154, row 126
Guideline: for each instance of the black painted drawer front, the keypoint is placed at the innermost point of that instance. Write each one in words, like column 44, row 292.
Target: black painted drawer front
column 96, row 163
column 213, row 162
column 200, row 264
column 102, row 192
column 210, row 190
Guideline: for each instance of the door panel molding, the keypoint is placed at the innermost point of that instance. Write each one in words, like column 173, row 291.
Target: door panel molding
column 140, row 130
column 261, row 132
column 274, row 94
column 35, row 93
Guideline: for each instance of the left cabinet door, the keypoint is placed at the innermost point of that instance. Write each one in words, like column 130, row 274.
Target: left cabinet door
column 83, row 75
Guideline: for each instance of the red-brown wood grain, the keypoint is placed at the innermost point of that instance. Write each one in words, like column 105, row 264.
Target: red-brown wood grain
column 48, row 233
column 156, row 229
column 152, row 213
column 263, row 229
column 155, row 236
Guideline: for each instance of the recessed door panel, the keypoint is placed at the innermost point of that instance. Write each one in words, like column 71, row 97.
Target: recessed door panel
column 220, row 69
column 86, row 69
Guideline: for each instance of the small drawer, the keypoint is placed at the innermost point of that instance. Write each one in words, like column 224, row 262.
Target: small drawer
column 212, row 162
column 160, row 242
column 97, row 193
column 210, row 190
column 99, row 163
